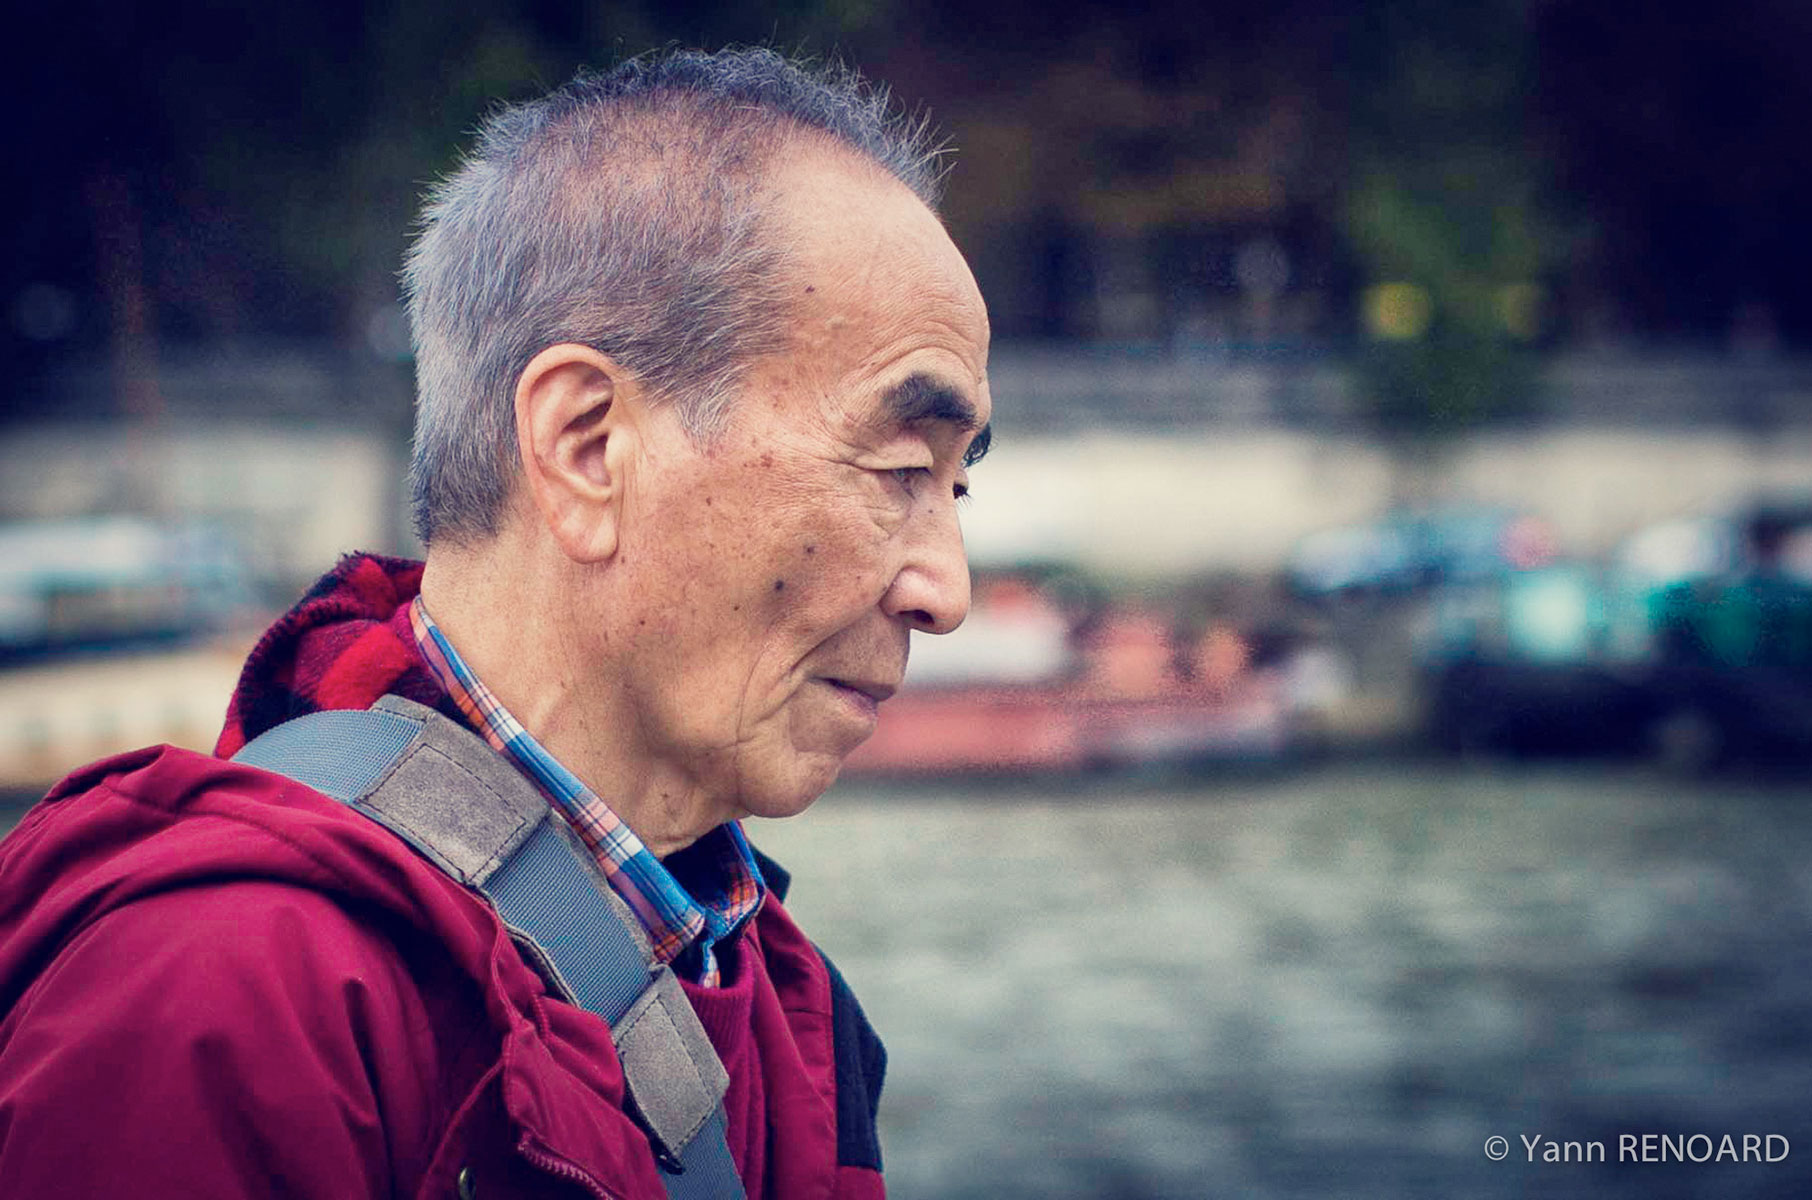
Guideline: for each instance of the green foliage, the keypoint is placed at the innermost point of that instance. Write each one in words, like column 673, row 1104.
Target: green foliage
column 1446, row 207
column 1447, row 382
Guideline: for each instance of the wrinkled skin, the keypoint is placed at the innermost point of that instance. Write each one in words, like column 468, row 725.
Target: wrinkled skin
column 797, row 552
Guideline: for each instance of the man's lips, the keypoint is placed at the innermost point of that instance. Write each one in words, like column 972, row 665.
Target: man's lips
column 874, row 689
column 863, row 695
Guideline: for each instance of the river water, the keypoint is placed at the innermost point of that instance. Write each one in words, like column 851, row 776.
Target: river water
column 1334, row 983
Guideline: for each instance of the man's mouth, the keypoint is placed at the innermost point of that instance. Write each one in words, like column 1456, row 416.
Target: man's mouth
column 873, row 689
column 864, row 694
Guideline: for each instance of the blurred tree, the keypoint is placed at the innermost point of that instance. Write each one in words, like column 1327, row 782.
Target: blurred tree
column 1445, row 214
column 1679, row 135
column 1117, row 161
column 218, row 171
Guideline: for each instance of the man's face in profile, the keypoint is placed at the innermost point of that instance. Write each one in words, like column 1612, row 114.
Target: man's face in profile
column 792, row 556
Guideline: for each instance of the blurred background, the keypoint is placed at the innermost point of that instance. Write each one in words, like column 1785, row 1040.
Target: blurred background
column 1386, row 716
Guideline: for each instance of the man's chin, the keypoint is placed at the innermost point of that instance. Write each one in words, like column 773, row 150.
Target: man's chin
column 794, row 789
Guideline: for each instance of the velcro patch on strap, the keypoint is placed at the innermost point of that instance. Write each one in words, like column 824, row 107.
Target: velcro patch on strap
column 673, row 1073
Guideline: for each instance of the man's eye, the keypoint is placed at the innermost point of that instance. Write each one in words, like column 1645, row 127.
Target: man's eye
column 908, row 477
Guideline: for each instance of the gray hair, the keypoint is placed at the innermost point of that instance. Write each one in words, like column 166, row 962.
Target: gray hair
column 626, row 212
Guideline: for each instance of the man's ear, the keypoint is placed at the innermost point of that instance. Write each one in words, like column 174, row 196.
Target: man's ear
column 571, row 428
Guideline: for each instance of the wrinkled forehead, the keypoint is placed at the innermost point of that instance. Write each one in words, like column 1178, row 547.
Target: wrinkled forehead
column 847, row 224
column 885, row 317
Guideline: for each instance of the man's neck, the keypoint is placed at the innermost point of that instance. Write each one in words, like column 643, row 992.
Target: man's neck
column 519, row 634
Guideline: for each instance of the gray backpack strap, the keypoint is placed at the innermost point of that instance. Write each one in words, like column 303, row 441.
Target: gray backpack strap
column 441, row 789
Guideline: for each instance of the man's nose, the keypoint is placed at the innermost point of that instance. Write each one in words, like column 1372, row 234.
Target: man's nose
column 931, row 589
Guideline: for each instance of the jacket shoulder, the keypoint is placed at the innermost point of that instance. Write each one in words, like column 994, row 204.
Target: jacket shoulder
column 282, row 1036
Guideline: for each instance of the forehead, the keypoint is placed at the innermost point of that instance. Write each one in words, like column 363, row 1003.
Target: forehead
column 887, row 321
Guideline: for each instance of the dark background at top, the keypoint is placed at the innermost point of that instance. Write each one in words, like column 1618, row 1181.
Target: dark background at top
column 214, row 173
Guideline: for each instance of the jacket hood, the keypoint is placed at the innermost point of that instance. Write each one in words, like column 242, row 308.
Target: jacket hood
column 344, row 644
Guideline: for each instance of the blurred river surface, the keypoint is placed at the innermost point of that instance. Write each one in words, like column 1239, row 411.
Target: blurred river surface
column 1333, row 983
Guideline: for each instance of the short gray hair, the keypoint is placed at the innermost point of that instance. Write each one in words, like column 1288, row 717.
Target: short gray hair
column 625, row 212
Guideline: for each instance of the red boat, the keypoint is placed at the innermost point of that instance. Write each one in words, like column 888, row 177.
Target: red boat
column 1022, row 687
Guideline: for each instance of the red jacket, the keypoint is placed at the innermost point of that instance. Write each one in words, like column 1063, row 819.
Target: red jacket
column 217, row 982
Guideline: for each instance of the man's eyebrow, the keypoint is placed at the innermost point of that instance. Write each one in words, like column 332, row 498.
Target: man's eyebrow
column 920, row 397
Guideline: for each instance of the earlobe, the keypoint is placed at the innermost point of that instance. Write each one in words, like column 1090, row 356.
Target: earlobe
column 569, row 409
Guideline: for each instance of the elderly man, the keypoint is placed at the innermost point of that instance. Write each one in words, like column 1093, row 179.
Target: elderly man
column 700, row 375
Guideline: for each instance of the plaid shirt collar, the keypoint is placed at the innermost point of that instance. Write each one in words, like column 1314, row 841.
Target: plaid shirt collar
column 725, row 885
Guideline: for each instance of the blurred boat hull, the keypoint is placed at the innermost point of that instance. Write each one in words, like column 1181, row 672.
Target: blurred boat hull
column 1057, row 728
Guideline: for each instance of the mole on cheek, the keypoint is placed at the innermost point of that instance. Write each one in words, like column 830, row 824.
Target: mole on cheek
column 811, row 549
column 780, row 585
